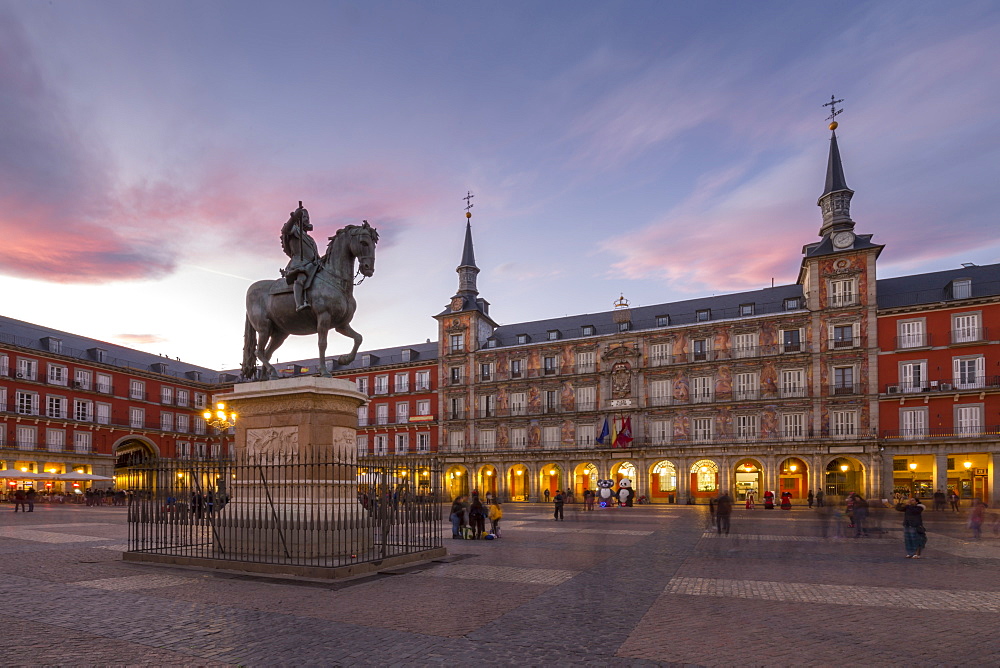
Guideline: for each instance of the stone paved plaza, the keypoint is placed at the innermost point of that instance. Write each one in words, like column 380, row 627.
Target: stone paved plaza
column 635, row 586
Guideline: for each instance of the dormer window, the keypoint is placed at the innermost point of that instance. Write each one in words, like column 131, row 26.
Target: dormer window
column 793, row 304
column 52, row 344
column 522, row 339
column 662, row 320
column 587, row 330
column 553, row 334
column 703, row 315
column 961, row 288
column 746, row 309
column 624, row 326
column 491, row 343
column 406, row 353
column 366, row 360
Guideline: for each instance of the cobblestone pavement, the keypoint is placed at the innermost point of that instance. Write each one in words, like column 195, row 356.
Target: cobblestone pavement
column 637, row 586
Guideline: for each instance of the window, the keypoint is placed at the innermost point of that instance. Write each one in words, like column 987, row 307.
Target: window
column 366, row 360
column 746, row 427
column 456, row 375
column 81, row 442
column 550, row 437
column 423, row 380
column 913, row 422
column 522, row 339
column 401, row 383
column 58, row 374
column 659, row 432
column 27, row 369
column 518, row 439
column 517, row 403
column 402, row 443
column 362, row 416
column 699, row 350
column 4, row 365
column 104, row 383
column 382, row 414
column 793, row 304
column 793, row 383
column 961, row 288
column 136, row 389
column 199, row 399
column 969, row 372
column 3, row 408
column 745, row 345
column 182, row 398
column 83, row 411
column 624, row 326
column 183, row 423
column 843, row 380
column 913, row 376
column 104, row 414
column 969, row 420
column 491, row 342
column 965, row 328
column 362, row 384
column 585, row 437
column 746, row 386
column 456, row 440
column 793, row 425
column 381, row 444
column 842, row 292
column 55, row 440
column 551, row 401
column 586, row 398
column 487, row 440
column 702, row 429
column 844, row 423
column 791, row 340
column 199, row 427
column 402, row 412
column 746, row 309
column 424, row 407
column 552, row 334
column 167, row 421
column 166, row 395
column 515, row 368
column 486, row 371
column 585, row 362
column 423, row 442
column 659, row 354
column 199, row 450
column 587, row 330
column 911, row 334
column 701, row 389
column 381, row 384
column 549, row 364
column 56, row 407
column 456, row 343
column 662, row 320
column 27, row 437
column 136, row 418
column 660, row 392
column 457, row 408
column 26, row 402
column 842, row 336
column 703, row 315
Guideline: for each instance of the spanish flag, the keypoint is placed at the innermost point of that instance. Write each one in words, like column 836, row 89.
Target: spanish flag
column 614, row 433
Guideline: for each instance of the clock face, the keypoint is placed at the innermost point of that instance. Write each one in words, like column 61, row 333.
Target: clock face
column 843, row 239
column 456, row 303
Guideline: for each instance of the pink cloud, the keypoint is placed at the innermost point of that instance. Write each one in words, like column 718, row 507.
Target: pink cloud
column 139, row 339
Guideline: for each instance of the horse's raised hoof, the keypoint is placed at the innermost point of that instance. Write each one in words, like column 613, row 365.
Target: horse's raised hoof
column 344, row 360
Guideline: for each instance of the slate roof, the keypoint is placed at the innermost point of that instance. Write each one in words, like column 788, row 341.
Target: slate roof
column 935, row 286
column 28, row 335
column 825, row 246
column 421, row 352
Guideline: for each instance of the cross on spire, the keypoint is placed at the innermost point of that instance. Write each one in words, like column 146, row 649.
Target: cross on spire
column 468, row 200
column 834, row 112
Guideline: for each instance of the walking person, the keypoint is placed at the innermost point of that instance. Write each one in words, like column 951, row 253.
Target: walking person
column 976, row 518
column 547, row 495
column 558, row 502
column 477, row 518
column 953, row 497
column 809, row 499
column 30, row 497
column 723, row 510
column 938, row 500
column 496, row 514
column 860, row 516
column 819, row 498
column 456, row 517
column 914, row 534
column 20, row 498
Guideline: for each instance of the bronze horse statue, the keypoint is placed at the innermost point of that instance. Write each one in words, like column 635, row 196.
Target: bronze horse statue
column 272, row 316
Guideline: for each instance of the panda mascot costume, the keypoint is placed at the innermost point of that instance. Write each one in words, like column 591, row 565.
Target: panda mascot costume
column 625, row 492
column 605, row 495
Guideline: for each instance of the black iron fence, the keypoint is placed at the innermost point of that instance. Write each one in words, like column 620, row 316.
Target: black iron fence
column 285, row 511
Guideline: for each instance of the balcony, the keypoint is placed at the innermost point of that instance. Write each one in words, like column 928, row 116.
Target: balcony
column 793, row 392
column 661, row 360
column 453, row 381
column 954, row 385
column 455, row 415
column 745, row 352
column 969, row 335
column 701, row 356
column 381, row 389
column 921, row 340
column 796, row 347
column 844, row 343
column 105, row 388
column 422, row 387
column 746, row 395
column 967, row 431
column 847, row 388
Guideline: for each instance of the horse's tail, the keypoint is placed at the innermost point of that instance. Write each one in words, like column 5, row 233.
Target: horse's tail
column 249, row 367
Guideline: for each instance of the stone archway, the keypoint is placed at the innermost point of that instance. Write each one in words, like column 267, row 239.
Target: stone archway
column 518, row 483
column 663, row 482
column 488, row 481
column 793, row 477
column 585, row 476
column 456, row 481
column 842, row 476
column 704, row 480
column 748, row 476
column 550, row 478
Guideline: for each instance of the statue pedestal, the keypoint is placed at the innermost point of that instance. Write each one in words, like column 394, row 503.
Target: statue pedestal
column 294, row 496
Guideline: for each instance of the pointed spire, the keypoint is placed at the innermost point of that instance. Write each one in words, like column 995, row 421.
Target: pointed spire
column 835, row 202
column 468, row 270
column 468, row 254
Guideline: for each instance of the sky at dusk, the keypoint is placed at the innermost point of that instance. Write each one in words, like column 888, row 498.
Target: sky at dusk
column 151, row 151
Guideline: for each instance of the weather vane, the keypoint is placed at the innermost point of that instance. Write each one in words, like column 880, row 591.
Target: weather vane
column 834, row 112
column 468, row 200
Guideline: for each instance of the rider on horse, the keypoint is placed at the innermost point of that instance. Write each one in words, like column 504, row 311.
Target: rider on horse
column 304, row 258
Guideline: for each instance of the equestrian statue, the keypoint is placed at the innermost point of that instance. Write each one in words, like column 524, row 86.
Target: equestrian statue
column 314, row 295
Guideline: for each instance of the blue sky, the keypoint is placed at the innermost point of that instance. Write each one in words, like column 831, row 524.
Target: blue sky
column 150, row 152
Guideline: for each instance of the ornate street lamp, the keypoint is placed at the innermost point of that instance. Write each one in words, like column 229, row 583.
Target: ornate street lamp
column 222, row 419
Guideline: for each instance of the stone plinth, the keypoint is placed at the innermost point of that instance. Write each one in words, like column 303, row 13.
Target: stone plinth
column 295, row 492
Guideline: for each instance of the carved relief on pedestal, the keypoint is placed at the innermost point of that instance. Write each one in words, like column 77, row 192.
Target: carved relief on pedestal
column 275, row 445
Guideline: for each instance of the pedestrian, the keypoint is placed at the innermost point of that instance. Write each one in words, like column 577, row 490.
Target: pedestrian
column 711, row 511
column 810, row 498
column 953, row 497
column 456, row 517
column 30, row 497
column 496, row 514
column 938, row 500
column 819, row 498
column 976, row 517
column 914, row 534
column 547, row 495
column 849, row 510
column 823, row 512
column 489, row 498
column 558, row 502
column 19, row 501
column 477, row 518
column 860, row 515
column 588, row 499
column 723, row 509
